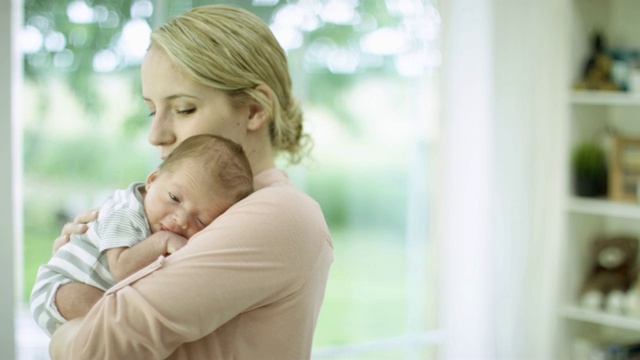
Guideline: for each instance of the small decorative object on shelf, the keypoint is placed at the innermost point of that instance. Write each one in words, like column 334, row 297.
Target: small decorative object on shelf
column 612, row 272
column 589, row 169
column 625, row 63
column 634, row 78
column 624, row 172
column 632, row 299
column 616, row 69
column 597, row 72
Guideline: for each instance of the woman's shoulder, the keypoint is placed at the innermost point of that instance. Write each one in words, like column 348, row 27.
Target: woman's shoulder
column 278, row 221
column 280, row 207
column 275, row 185
column 282, row 200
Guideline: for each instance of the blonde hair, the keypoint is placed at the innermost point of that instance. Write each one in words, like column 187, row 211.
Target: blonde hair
column 233, row 50
column 224, row 160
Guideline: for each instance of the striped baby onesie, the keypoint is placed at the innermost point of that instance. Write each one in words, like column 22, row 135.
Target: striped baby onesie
column 121, row 223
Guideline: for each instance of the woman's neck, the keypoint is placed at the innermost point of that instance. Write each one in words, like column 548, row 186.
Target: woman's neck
column 257, row 146
column 260, row 165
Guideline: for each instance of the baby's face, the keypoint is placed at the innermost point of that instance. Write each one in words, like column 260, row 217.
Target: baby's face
column 182, row 200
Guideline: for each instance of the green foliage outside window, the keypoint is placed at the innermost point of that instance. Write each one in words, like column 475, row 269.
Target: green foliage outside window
column 81, row 139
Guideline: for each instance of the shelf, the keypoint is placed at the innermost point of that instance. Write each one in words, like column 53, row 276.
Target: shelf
column 591, row 97
column 573, row 312
column 603, row 207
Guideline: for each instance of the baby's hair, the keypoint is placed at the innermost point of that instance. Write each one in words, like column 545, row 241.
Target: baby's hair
column 224, row 159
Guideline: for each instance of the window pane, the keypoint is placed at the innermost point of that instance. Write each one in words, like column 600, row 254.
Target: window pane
column 364, row 71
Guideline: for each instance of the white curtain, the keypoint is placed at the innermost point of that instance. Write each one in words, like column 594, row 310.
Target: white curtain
column 504, row 85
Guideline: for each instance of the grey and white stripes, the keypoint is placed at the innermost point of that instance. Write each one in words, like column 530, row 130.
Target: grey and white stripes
column 121, row 223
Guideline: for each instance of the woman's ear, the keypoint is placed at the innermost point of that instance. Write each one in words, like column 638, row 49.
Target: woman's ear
column 151, row 178
column 258, row 114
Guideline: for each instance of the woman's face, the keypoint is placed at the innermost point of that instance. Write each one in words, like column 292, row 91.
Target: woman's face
column 179, row 107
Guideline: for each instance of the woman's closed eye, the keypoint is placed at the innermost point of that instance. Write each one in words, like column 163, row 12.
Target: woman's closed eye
column 186, row 111
column 179, row 112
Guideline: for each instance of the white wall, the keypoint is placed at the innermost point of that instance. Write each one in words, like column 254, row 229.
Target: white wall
column 10, row 205
column 504, row 89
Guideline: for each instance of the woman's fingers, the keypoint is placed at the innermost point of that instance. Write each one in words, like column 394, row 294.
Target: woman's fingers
column 61, row 240
column 67, row 230
column 86, row 216
column 78, row 226
column 73, row 228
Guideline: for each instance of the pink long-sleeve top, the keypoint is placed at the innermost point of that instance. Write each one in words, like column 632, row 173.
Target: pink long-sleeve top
column 249, row 286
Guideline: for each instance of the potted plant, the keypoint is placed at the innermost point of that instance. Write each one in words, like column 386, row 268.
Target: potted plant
column 589, row 167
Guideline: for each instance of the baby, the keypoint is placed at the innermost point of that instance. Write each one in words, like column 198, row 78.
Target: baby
column 200, row 180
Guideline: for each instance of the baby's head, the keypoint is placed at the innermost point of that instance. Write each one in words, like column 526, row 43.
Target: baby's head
column 221, row 160
column 200, row 180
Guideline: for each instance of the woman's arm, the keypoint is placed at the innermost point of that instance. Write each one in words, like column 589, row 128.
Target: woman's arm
column 255, row 253
column 75, row 299
column 64, row 335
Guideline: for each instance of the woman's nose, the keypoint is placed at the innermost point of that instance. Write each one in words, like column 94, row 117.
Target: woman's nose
column 161, row 133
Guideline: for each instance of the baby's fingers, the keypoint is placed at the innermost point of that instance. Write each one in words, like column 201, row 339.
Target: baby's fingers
column 175, row 243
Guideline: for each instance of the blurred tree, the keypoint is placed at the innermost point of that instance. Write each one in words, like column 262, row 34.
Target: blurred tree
column 328, row 40
column 74, row 40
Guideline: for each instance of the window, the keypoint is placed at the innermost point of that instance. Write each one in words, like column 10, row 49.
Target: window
column 366, row 74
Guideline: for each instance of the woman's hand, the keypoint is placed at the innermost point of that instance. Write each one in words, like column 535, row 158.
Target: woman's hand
column 78, row 226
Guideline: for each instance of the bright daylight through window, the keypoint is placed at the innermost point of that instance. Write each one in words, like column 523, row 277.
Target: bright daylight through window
column 365, row 72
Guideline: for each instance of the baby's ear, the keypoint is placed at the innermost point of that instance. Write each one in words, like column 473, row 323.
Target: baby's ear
column 151, row 178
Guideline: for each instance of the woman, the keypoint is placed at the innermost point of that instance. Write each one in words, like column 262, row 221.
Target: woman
column 250, row 285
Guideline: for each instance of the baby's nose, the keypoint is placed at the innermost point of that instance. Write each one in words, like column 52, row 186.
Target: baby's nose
column 181, row 219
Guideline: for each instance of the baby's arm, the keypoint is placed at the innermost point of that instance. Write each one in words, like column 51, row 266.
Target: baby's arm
column 125, row 261
column 75, row 299
column 58, row 294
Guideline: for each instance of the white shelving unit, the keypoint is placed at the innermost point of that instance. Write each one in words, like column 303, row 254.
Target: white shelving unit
column 598, row 318
column 586, row 218
column 606, row 98
column 591, row 114
column 603, row 207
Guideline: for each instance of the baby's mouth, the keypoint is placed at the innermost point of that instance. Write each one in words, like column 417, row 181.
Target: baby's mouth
column 175, row 231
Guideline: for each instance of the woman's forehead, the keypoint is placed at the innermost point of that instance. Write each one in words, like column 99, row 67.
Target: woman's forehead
column 157, row 67
column 161, row 79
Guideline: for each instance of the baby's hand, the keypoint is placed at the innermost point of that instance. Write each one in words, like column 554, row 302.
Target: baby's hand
column 174, row 242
